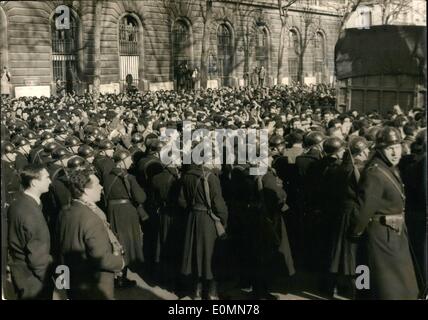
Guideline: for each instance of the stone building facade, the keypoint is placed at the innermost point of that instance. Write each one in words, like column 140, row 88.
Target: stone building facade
column 150, row 39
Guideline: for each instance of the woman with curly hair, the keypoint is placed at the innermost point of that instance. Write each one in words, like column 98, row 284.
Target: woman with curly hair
column 86, row 243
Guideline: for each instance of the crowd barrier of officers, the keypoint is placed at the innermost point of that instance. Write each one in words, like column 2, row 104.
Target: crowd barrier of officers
column 84, row 187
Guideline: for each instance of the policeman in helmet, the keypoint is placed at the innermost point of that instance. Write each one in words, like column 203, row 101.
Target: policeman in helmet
column 125, row 198
column 381, row 200
column 87, row 153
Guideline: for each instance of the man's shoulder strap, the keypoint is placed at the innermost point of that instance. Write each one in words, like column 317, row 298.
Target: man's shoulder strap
column 390, row 178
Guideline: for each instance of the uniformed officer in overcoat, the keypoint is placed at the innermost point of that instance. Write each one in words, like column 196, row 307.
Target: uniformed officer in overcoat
column 380, row 215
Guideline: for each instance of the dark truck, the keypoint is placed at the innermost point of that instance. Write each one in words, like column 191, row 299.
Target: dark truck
column 380, row 67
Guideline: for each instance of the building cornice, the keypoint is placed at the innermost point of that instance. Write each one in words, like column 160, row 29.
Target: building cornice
column 294, row 8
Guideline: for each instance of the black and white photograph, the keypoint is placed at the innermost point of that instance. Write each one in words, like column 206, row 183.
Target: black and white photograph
column 222, row 150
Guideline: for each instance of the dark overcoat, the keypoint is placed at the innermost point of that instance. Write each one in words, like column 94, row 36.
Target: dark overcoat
column 344, row 251
column 29, row 248
column 171, row 222
column 392, row 273
column 103, row 165
column 85, row 248
column 124, row 217
column 200, row 234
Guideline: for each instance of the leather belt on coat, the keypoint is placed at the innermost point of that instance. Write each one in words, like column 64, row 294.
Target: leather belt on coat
column 119, row 201
column 200, row 207
column 393, row 221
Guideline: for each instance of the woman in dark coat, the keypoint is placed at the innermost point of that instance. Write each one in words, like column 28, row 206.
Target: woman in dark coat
column 86, row 243
column 381, row 205
column 201, row 234
column 125, row 199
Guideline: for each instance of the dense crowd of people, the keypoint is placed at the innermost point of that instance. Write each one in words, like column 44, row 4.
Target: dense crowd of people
column 84, row 186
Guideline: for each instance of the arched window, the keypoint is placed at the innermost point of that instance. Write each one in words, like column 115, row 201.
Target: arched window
column 319, row 57
column 65, row 43
column 225, row 53
column 293, row 58
column 262, row 48
column 129, row 50
column 181, row 43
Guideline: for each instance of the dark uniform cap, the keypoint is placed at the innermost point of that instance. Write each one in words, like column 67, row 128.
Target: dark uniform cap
column 60, row 153
column 121, row 154
column 75, row 162
column 387, row 136
column 85, row 151
column 20, row 142
column 313, row 138
column 50, row 147
column 332, row 145
column 72, row 141
column 358, row 145
column 105, row 145
column 7, row 147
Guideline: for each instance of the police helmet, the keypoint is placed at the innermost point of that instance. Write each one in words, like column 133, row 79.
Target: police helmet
column 105, row 145
column 49, row 147
column 20, row 142
column 137, row 137
column 387, row 136
column 60, row 153
column 7, row 147
column 46, row 135
column 30, row 135
column 76, row 162
column 85, row 151
column 60, row 129
column 332, row 145
column 313, row 138
column 72, row 142
column 121, row 154
column 358, row 145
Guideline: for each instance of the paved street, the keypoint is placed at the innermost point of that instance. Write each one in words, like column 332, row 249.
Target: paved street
column 304, row 291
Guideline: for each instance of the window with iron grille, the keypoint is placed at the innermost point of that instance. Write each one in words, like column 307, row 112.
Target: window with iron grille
column 181, row 45
column 262, row 48
column 224, row 51
column 64, row 53
column 129, row 49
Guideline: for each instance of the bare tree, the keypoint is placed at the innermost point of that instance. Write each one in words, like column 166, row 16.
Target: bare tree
column 207, row 16
column 283, row 7
column 97, row 51
column 309, row 23
column 246, row 15
column 346, row 11
column 390, row 9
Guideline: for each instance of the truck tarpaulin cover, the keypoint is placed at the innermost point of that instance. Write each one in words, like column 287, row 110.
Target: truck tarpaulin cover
column 387, row 50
